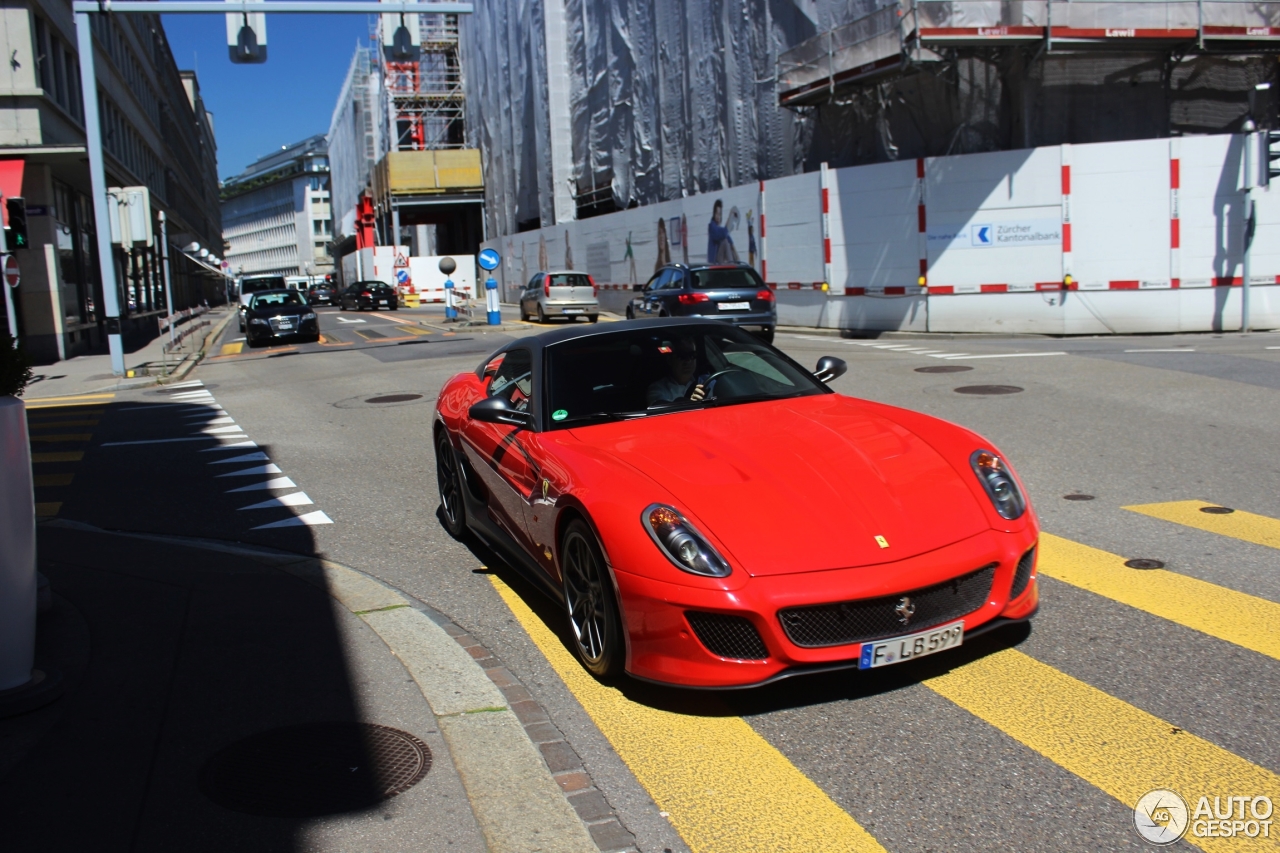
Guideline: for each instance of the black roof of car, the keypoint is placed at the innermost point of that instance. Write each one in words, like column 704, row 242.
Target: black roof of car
column 738, row 266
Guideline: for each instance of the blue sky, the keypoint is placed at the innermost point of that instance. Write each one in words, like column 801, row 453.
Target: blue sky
column 258, row 108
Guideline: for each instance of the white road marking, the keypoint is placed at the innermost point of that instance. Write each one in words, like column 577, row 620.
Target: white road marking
column 269, row 468
column 186, row 395
column 158, row 441
column 277, row 483
column 349, row 320
column 216, row 421
column 221, row 430
column 295, row 499
column 232, row 445
column 193, row 384
column 948, row 355
column 1160, row 350
column 247, row 457
column 928, row 351
column 1007, row 355
column 1273, row 347
column 890, row 346
column 309, row 520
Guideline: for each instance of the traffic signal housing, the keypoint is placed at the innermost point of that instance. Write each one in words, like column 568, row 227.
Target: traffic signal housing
column 15, row 232
column 1273, row 153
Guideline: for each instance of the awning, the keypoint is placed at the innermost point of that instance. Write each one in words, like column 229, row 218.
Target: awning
column 10, row 182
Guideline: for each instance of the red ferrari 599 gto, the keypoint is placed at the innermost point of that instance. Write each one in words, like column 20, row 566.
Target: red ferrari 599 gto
column 711, row 514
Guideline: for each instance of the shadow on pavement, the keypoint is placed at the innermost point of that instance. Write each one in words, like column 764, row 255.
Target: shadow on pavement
column 182, row 666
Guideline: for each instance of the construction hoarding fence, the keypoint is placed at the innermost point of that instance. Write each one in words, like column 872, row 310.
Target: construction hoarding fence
column 1119, row 237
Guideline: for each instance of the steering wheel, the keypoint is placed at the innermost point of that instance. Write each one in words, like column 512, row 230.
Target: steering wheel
column 707, row 382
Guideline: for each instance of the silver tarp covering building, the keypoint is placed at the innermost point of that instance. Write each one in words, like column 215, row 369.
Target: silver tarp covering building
column 355, row 139
column 587, row 106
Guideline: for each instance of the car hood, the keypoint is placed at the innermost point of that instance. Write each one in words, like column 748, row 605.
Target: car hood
column 805, row 484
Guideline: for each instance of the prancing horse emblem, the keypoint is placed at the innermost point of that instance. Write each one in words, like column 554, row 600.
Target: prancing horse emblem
column 906, row 609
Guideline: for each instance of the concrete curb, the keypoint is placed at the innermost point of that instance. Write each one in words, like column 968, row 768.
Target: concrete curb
column 517, row 803
column 180, row 372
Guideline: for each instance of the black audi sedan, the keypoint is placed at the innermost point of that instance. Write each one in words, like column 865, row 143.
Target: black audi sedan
column 278, row 314
column 320, row 294
column 733, row 293
column 370, row 295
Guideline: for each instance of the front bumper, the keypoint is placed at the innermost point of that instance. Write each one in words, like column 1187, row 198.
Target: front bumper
column 305, row 329
column 663, row 646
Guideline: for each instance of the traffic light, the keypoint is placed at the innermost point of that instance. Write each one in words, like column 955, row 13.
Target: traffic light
column 15, row 232
column 1273, row 153
column 247, row 37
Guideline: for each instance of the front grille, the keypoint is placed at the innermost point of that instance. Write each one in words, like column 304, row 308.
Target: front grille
column 876, row 618
column 291, row 321
column 728, row 636
column 1022, row 575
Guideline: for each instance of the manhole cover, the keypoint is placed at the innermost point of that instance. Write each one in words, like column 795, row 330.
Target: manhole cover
column 1077, row 497
column 1144, row 564
column 315, row 769
column 944, row 368
column 988, row 390
column 394, row 398
column 1217, row 510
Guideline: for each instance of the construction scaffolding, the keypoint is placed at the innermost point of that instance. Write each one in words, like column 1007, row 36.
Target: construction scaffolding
column 424, row 97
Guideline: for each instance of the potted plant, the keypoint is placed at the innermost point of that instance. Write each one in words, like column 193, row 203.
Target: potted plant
column 20, row 684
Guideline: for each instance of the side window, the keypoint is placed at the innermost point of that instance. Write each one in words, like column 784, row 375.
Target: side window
column 513, row 380
column 535, row 282
column 675, row 281
column 654, row 282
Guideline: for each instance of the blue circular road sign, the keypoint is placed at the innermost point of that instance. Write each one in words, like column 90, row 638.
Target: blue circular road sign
column 489, row 259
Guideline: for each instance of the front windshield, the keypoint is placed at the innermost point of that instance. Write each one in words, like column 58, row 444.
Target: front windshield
column 638, row 373
column 274, row 300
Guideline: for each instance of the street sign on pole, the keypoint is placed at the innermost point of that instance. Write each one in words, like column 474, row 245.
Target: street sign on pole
column 489, row 259
column 12, row 275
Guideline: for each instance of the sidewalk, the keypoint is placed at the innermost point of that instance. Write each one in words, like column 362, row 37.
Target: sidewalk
column 88, row 374
column 219, row 697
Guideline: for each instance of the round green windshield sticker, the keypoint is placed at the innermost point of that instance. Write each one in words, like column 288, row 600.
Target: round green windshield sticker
column 559, row 415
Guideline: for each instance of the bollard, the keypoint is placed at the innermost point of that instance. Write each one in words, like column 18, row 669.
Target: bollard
column 450, row 313
column 491, row 300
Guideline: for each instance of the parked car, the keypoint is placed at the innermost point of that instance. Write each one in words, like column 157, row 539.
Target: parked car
column 684, row 526
column 560, row 294
column 257, row 284
column 368, row 294
column 733, row 293
column 277, row 314
column 320, row 294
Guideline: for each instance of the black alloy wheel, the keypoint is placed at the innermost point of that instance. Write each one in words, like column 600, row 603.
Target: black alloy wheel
column 449, row 481
column 591, row 604
column 631, row 312
column 542, row 315
column 342, row 304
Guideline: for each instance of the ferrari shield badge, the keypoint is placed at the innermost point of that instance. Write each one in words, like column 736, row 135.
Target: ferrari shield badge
column 882, row 542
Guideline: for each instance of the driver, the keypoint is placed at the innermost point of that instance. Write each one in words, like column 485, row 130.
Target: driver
column 680, row 358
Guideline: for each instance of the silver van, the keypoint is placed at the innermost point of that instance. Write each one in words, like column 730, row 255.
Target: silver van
column 560, row 294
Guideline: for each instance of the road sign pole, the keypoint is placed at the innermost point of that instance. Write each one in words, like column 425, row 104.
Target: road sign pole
column 98, row 185
column 164, row 262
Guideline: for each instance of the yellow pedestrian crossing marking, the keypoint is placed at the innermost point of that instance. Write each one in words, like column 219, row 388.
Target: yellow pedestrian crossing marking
column 63, row 456
column 724, row 786
column 231, row 349
column 416, row 330
column 46, row 480
column 1108, row 743
column 1224, row 613
column 64, row 436
column 59, row 402
column 40, row 424
column 41, row 418
column 1258, row 529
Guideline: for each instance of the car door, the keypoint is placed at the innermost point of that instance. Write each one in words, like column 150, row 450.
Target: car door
column 498, row 453
column 651, row 303
column 668, row 293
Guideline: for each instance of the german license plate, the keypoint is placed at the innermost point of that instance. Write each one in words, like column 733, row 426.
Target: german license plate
column 285, row 324
column 911, row 646
column 735, row 306
column 573, row 310
column 382, row 302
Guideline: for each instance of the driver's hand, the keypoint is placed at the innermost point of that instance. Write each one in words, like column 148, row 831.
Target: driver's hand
column 699, row 392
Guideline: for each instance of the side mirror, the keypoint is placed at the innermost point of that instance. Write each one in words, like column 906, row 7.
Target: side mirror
column 495, row 410
column 829, row 367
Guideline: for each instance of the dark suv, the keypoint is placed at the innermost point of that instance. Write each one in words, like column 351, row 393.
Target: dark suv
column 730, row 292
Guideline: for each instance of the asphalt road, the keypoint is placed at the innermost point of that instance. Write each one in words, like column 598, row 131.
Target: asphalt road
column 1027, row 740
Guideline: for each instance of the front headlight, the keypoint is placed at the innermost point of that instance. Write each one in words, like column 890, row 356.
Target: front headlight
column 258, row 322
column 310, row 315
column 682, row 543
column 998, row 482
